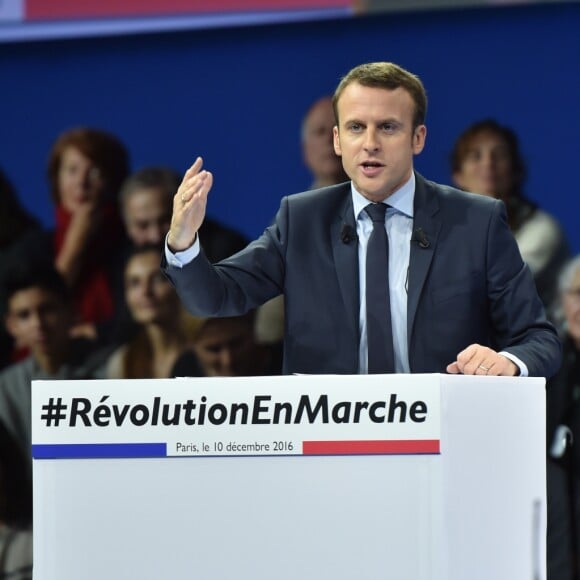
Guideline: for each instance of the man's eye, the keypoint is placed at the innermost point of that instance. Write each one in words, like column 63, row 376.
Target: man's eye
column 356, row 127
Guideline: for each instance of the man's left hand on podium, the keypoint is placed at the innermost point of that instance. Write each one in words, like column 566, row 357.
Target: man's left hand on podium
column 481, row 360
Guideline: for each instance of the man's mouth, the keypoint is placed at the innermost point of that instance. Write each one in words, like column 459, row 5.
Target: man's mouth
column 371, row 168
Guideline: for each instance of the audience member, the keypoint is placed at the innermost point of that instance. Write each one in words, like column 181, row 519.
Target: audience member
column 160, row 342
column 486, row 159
column 146, row 204
column 563, row 416
column 317, row 145
column 39, row 316
column 227, row 347
column 86, row 168
column 15, row 224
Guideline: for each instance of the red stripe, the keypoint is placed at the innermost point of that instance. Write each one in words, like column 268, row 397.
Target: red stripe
column 376, row 447
column 65, row 9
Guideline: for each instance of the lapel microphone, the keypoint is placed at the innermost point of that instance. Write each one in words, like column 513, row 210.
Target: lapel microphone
column 347, row 234
column 421, row 238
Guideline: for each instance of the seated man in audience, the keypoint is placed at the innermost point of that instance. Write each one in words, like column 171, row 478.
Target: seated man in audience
column 146, row 206
column 39, row 315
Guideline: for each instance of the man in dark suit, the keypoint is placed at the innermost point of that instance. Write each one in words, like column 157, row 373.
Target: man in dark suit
column 461, row 298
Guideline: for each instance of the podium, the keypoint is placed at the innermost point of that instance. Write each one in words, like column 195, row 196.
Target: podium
column 410, row 477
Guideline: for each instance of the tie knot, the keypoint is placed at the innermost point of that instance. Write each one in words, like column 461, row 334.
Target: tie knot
column 376, row 211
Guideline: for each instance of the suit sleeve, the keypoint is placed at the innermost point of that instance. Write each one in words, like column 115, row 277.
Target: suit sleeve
column 518, row 317
column 237, row 284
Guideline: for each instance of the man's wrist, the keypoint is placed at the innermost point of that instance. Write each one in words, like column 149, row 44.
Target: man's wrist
column 173, row 248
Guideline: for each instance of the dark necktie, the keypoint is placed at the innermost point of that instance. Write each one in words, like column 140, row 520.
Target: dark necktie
column 379, row 332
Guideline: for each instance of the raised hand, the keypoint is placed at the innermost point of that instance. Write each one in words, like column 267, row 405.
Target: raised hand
column 189, row 205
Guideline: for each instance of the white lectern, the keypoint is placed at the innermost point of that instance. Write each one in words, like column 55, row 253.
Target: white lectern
column 409, row 477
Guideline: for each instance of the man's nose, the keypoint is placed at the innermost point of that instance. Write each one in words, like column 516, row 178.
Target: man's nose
column 371, row 142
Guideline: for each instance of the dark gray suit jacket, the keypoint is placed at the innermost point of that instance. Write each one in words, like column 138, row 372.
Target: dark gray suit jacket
column 469, row 286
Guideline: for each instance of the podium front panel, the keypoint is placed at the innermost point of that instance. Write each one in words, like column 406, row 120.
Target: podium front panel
column 289, row 515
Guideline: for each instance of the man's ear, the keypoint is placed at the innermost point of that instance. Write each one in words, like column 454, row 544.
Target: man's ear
column 419, row 138
column 336, row 140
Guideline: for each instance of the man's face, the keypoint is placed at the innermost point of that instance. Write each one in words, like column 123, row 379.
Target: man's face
column 38, row 320
column 317, row 145
column 487, row 167
column 376, row 139
column 226, row 348
column 79, row 180
column 147, row 215
column 150, row 296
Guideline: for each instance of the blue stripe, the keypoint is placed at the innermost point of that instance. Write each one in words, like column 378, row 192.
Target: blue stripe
column 96, row 450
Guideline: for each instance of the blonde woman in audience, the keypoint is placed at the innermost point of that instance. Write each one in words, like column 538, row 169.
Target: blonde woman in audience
column 160, row 343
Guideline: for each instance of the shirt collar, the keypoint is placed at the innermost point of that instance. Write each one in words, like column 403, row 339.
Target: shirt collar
column 401, row 200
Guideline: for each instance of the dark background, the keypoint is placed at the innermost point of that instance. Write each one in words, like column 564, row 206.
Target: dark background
column 237, row 96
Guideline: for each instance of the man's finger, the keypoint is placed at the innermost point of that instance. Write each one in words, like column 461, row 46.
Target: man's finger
column 453, row 368
column 195, row 167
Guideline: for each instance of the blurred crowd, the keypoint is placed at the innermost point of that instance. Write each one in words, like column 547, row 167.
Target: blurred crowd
column 87, row 300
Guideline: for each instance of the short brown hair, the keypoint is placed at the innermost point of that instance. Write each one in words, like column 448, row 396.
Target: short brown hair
column 103, row 149
column 386, row 75
column 163, row 178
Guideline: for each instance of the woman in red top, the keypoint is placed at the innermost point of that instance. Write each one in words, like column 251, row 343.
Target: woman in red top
column 86, row 168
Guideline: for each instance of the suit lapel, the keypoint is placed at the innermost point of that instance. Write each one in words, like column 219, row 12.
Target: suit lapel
column 346, row 260
column 426, row 206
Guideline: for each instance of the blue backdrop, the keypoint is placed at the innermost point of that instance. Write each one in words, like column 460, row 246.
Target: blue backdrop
column 237, row 97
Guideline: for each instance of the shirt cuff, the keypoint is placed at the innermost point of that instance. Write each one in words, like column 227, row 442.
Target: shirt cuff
column 521, row 365
column 180, row 259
